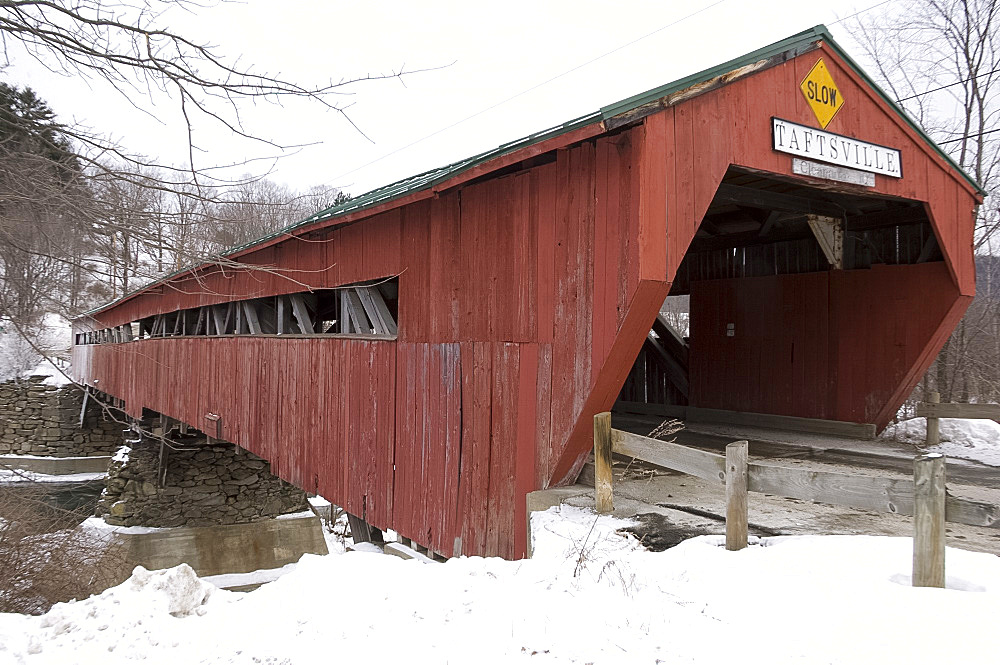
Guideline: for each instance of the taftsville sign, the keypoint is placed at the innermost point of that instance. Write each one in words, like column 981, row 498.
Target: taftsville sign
column 831, row 148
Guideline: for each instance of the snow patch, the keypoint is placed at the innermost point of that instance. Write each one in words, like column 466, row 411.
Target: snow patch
column 98, row 524
column 783, row 600
column 121, row 455
column 178, row 590
column 976, row 440
column 262, row 576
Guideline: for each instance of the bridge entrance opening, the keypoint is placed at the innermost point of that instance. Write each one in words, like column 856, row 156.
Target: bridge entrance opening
column 783, row 281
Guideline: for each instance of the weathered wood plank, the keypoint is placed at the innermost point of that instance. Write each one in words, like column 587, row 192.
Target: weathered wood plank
column 378, row 312
column 928, row 521
column 642, row 408
column 891, row 495
column 709, row 466
column 301, row 314
column 948, row 410
column 791, row 423
column 812, row 425
column 737, row 518
column 353, row 311
column 933, row 429
column 251, row 317
column 220, row 321
column 602, row 463
column 281, row 315
column 675, row 371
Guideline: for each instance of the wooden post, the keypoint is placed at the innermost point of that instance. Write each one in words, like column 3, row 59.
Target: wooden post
column 736, row 495
column 602, row 463
column 928, row 520
column 933, row 424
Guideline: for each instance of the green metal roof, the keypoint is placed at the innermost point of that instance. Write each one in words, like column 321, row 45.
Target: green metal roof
column 788, row 47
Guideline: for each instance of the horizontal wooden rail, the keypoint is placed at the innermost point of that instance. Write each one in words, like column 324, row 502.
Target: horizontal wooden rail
column 953, row 410
column 692, row 414
column 694, row 462
column 890, row 495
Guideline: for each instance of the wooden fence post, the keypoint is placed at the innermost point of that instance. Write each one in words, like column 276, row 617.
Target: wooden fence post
column 933, row 424
column 928, row 520
column 736, row 495
column 602, row 463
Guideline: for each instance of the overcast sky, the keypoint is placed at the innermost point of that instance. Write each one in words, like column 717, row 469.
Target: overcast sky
column 517, row 66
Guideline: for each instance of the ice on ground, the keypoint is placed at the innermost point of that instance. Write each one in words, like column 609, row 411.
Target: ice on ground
column 971, row 439
column 262, row 576
column 21, row 476
column 591, row 595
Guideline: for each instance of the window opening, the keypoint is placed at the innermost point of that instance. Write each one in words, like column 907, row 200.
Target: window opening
column 368, row 308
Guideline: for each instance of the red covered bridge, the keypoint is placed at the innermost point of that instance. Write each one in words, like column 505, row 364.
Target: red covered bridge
column 427, row 354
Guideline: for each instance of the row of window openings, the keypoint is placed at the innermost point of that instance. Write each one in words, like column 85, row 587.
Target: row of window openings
column 364, row 309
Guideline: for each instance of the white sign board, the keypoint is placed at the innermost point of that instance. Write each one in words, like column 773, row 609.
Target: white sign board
column 830, row 172
column 835, row 149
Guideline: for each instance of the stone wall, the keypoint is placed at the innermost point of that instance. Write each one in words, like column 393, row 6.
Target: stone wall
column 39, row 419
column 212, row 484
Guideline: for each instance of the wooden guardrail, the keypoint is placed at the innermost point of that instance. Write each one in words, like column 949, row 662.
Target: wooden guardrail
column 934, row 410
column 924, row 497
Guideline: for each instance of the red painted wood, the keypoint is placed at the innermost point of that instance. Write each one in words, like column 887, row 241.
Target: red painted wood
column 526, row 448
column 525, row 297
column 840, row 345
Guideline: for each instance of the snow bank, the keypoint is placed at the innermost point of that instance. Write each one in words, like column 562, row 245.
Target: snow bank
column 178, row 590
column 977, row 440
column 591, row 596
column 128, row 619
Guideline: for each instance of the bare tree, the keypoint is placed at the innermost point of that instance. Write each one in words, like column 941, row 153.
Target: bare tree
column 940, row 59
column 127, row 218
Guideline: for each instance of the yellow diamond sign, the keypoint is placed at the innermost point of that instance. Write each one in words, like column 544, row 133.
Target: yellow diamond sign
column 821, row 93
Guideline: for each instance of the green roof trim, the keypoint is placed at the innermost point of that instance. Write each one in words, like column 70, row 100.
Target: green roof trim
column 790, row 47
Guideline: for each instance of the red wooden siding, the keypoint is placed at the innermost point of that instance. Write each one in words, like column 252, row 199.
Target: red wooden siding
column 512, row 292
column 523, row 300
column 835, row 345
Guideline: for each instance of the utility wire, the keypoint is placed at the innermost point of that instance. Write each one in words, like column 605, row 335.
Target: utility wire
column 534, row 87
column 949, row 85
column 970, row 136
column 863, row 11
column 566, row 73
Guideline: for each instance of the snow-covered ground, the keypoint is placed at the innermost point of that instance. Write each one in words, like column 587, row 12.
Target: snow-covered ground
column 19, row 357
column 977, row 440
column 590, row 595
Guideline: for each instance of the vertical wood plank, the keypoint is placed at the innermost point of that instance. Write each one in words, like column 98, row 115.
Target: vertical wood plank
column 736, row 495
column 602, row 463
column 934, row 424
column 928, row 521
column 526, row 443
